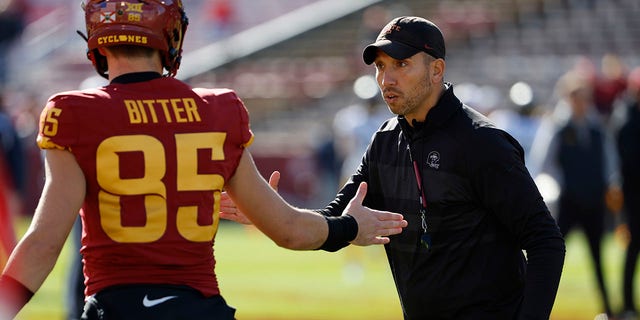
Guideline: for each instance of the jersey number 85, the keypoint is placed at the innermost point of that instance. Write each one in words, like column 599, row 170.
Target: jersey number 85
column 152, row 187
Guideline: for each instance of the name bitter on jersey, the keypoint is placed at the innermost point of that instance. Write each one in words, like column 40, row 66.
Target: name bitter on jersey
column 180, row 110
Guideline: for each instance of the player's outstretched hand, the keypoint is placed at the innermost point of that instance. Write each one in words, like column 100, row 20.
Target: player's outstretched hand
column 374, row 226
column 228, row 209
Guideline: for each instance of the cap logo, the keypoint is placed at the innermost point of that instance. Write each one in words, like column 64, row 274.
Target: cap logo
column 391, row 28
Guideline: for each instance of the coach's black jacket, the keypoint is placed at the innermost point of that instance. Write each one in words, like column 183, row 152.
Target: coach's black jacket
column 483, row 210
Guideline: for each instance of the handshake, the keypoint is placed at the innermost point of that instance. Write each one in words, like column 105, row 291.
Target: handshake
column 370, row 227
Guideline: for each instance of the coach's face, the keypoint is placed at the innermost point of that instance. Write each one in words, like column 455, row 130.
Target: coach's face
column 408, row 85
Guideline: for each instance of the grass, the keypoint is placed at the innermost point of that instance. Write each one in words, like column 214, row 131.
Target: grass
column 265, row 282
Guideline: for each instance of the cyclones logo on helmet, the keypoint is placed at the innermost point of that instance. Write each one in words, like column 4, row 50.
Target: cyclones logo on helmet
column 156, row 24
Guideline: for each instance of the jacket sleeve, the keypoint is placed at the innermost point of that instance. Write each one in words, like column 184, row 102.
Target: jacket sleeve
column 505, row 187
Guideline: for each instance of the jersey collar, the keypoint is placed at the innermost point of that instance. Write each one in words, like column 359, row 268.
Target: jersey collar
column 446, row 106
column 136, row 77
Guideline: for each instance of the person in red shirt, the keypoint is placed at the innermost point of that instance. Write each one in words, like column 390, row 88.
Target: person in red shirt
column 145, row 160
column 7, row 235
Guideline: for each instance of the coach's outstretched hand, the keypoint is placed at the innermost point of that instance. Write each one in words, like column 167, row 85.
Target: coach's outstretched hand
column 374, row 226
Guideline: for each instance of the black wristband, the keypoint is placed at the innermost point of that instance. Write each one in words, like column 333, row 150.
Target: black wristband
column 342, row 229
column 13, row 296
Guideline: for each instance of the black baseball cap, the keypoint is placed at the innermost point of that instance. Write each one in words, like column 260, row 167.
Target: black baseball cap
column 405, row 36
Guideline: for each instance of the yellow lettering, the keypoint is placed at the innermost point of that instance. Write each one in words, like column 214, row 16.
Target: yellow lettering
column 50, row 127
column 122, row 38
column 165, row 109
column 192, row 109
column 152, row 111
column 136, row 7
column 142, row 112
column 134, row 17
column 134, row 113
column 178, row 110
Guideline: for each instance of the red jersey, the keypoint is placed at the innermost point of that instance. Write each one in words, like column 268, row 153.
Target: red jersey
column 155, row 156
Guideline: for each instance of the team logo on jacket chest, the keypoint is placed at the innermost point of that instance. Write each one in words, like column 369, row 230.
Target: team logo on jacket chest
column 433, row 159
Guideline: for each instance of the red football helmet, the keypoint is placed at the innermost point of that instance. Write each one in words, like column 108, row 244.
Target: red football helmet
column 150, row 23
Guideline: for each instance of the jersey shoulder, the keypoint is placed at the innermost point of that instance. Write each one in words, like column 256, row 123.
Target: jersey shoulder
column 63, row 98
column 58, row 118
column 225, row 101
column 219, row 96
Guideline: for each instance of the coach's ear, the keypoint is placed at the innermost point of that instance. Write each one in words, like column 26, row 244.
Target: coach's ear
column 437, row 68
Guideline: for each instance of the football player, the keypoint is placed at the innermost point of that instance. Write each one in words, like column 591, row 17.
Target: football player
column 144, row 161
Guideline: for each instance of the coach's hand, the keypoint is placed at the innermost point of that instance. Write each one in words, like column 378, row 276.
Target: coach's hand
column 374, row 226
column 228, row 209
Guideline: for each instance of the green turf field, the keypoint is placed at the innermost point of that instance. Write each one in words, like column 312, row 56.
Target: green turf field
column 266, row 282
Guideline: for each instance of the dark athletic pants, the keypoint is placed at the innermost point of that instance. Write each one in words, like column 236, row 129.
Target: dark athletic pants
column 157, row 302
column 590, row 216
column 632, row 208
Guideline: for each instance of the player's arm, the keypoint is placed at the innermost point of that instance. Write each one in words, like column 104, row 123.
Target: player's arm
column 35, row 255
column 301, row 229
column 229, row 210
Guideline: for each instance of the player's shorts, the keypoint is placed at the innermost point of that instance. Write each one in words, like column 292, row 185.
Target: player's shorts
column 157, row 302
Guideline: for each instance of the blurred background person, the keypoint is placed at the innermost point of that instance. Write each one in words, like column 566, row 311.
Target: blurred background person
column 578, row 157
column 355, row 124
column 12, row 175
column 11, row 26
column 221, row 16
column 7, row 235
column 13, row 155
column 609, row 84
column 353, row 128
column 628, row 143
column 521, row 118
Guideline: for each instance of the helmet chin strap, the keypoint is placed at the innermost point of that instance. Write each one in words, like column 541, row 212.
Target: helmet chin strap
column 84, row 36
column 98, row 62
